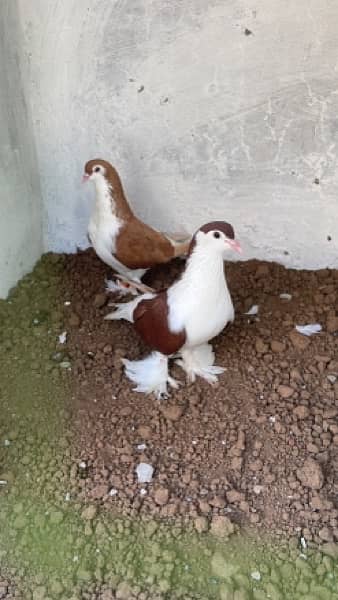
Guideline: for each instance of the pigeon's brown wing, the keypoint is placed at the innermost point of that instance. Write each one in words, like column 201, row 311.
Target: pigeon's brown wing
column 141, row 247
column 151, row 323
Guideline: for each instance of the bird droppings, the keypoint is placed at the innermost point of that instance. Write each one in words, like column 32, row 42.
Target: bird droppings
column 235, row 503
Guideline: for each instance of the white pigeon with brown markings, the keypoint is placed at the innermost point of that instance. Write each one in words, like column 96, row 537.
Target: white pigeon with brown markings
column 119, row 238
column 180, row 321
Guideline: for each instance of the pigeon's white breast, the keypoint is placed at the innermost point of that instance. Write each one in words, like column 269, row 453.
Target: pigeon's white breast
column 104, row 226
column 208, row 318
column 201, row 304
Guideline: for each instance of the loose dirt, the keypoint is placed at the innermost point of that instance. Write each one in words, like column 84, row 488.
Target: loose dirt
column 261, row 447
column 243, row 499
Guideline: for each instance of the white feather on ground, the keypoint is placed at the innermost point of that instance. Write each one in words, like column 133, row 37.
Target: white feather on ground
column 310, row 329
column 199, row 361
column 150, row 374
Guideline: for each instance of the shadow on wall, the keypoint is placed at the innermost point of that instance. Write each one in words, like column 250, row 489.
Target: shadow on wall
column 20, row 198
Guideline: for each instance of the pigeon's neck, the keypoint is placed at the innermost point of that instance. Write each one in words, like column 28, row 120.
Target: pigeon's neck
column 204, row 269
column 110, row 197
column 203, row 280
column 201, row 295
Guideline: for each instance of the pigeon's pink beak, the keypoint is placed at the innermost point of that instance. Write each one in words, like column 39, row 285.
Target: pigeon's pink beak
column 85, row 178
column 235, row 245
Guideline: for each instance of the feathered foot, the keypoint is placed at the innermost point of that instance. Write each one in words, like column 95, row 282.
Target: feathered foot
column 151, row 375
column 199, row 362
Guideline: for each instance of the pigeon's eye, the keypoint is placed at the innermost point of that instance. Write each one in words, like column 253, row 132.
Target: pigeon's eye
column 217, row 234
column 97, row 169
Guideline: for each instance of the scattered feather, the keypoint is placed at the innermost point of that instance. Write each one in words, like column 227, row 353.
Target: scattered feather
column 253, row 310
column 113, row 492
column 256, row 575
column 303, row 543
column 285, row 296
column 141, row 446
column 143, row 492
column 67, row 303
column 144, row 473
column 310, row 329
column 3, row 482
column 63, row 337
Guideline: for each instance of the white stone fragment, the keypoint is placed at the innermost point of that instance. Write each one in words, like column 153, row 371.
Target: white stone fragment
column 63, row 337
column 253, row 310
column 144, row 473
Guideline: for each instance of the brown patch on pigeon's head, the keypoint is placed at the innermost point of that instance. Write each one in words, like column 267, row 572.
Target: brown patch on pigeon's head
column 98, row 168
column 217, row 236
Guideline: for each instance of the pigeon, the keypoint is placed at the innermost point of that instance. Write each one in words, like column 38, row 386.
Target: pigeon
column 179, row 322
column 119, row 238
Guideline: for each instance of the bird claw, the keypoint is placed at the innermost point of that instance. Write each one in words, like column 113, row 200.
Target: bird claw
column 133, row 285
column 116, row 287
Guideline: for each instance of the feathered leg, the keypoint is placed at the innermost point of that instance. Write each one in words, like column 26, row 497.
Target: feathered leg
column 151, row 374
column 199, row 361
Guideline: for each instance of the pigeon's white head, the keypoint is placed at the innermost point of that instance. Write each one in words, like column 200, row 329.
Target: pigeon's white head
column 216, row 238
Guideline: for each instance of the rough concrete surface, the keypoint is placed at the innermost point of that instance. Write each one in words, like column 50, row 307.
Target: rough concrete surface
column 20, row 198
column 208, row 109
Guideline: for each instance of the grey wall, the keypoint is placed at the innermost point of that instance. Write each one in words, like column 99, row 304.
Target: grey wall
column 20, row 199
column 209, row 109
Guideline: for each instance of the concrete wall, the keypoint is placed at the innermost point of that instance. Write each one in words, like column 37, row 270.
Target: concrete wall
column 20, row 199
column 210, row 109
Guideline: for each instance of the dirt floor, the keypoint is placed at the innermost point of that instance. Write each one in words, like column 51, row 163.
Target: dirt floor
column 261, row 447
column 243, row 499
